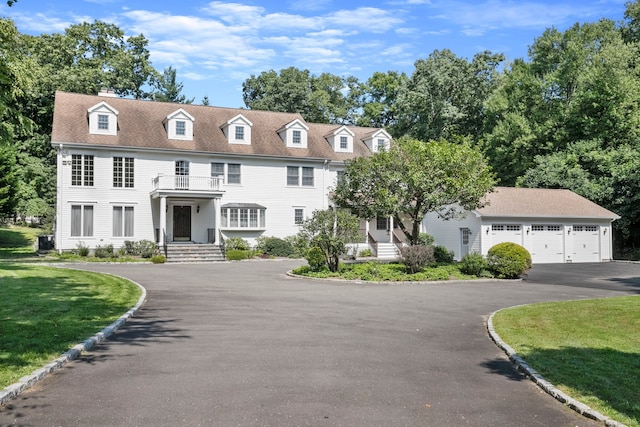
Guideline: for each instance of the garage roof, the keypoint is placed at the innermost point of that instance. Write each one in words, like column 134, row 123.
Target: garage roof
column 541, row 203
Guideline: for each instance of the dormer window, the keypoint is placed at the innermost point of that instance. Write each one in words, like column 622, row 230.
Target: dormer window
column 238, row 130
column 179, row 125
column 341, row 139
column 294, row 134
column 377, row 141
column 103, row 122
column 240, row 133
column 181, row 128
column 103, row 119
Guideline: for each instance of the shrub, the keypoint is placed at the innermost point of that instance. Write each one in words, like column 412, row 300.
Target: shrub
column 508, row 260
column 442, row 255
column 101, row 252
column 365, row 253
column 415, row 258
column 473, row 264
column 130, row 247
column 146, row 248
column 236, row 244
column 158, row 259
column 425, row 239
column 316, row 259
column 237, row 254
column 274, row 246
column 83, row 250
column 299, row 244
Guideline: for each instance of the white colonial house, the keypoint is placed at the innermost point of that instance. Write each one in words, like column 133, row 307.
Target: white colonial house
column 171, row 173
column 555, row 226
column 183, row 175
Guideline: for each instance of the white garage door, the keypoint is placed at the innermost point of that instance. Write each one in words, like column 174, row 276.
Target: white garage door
column 547, row 244
column 586, row 243
column 506, row 233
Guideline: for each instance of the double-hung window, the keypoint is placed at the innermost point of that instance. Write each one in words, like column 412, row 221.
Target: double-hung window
column 344, row 144
column 81, row 220
column 123, row 172
column 233, row 173
column 123, row 221
column 240, row 133
column 298, row 215
column 241, row 217
column 293, row 177
column 297, row 137
column 103, row 122
column 181, row 127
column 82, row 170
column 294, row 173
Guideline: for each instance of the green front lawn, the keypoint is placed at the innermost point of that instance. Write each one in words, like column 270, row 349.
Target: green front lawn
column 588, row 349
column 44, row 311
column 18, row 242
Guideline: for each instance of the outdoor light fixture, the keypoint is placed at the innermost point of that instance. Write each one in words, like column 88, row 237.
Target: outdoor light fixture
column 487, row 230
column 198, row 209
column 569, row 231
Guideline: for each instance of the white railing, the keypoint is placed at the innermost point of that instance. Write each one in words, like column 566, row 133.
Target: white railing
column 187, row 183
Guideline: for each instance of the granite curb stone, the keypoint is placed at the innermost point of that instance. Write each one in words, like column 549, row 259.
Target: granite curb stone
column 545, row 385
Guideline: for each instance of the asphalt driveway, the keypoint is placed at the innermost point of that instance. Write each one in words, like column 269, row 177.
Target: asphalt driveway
column 241, row 344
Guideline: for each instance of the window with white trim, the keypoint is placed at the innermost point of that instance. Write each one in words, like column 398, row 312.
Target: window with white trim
column 81, row 220
column 294, row 173
column 344, row 143
column 103, row 122
column 298, row 216
column 297, row 137
column 243, row 217
column 181, row 128
column 240, row 133
column 123, row 172
column 123, row 221
column 382, row 144
column 82, row 170
column 233, row 173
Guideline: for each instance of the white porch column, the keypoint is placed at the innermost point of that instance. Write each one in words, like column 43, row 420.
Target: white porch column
column 390, row 229
column 163, row 219
column 366, row 230
column 216, row 234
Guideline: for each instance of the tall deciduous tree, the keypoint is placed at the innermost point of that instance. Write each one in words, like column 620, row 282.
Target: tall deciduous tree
column 319, row 99
column 444, row 97
column 414, row 178
column 378, row 99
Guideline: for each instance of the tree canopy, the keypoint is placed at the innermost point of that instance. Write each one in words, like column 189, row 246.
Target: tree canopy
column 413, row 179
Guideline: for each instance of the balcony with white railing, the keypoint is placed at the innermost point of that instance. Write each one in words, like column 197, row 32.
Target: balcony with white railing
column 186, row 184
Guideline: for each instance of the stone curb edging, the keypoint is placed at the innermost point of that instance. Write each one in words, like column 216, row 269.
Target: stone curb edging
column 12, row 391
column 545, row 385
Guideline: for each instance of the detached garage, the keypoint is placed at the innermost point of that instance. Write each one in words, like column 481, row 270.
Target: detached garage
column 556, row 226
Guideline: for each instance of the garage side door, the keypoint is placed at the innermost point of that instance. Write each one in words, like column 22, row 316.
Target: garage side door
column 547, row 244
column 506, row 233
column 586, row 243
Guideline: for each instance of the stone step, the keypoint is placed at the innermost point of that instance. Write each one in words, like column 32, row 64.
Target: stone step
column 194, row 253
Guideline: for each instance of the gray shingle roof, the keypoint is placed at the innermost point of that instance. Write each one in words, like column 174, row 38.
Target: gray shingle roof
column 140, row 125
column 542, row 202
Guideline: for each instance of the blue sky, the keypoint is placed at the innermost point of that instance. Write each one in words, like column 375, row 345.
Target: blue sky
column 216, row 45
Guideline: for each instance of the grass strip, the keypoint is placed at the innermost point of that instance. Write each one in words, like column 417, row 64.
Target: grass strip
column 45, row 310
column 588, row 349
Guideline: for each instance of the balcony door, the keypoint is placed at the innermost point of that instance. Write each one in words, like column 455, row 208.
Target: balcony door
column 182, row 175
column 182, row 223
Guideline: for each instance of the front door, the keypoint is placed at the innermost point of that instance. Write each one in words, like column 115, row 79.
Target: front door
column 182, row 223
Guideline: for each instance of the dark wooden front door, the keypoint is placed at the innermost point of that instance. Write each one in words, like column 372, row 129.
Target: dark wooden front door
column 182, row 223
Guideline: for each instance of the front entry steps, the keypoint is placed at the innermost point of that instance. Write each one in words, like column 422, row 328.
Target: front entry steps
column 387, row 251
column 194, row 252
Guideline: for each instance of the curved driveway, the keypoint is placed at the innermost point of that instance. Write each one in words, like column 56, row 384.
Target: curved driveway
column 241, row 344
